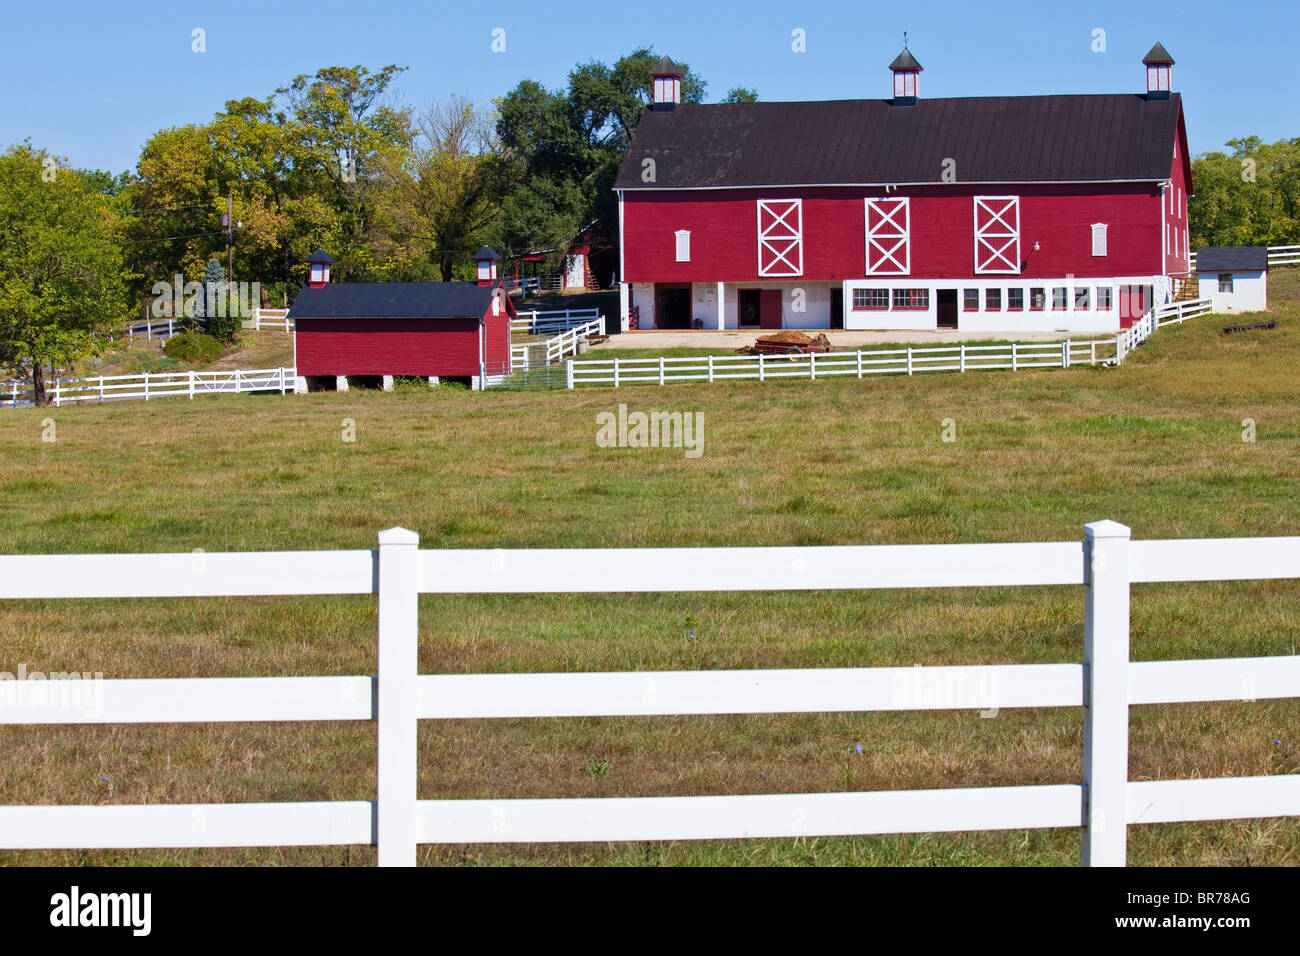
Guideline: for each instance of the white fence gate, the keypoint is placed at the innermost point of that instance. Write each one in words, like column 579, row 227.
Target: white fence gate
column 1105, row 683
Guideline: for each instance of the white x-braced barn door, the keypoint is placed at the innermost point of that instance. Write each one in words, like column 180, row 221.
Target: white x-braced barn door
column 997, row 234
column 780, row 237
column 889, row 233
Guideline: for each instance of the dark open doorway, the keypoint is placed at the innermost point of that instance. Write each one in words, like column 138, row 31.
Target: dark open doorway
column 837, row 308
column 673, row 310
column 947, row 301
column 750, row 304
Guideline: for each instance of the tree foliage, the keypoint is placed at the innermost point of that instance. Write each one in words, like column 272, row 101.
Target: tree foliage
column 1248, row 197
column 61, row 271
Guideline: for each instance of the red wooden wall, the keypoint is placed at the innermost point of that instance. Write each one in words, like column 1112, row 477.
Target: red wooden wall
column 400, row 346
column 724, row 231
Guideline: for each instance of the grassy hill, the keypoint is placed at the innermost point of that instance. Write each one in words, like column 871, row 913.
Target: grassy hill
column 1156, row 444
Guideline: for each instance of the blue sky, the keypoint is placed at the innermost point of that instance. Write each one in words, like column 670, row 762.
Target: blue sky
column 92, row 81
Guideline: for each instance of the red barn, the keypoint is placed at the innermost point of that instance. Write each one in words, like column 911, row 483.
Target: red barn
column 367, row 333
column 1006, row 213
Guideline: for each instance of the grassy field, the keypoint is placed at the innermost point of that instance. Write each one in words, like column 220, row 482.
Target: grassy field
column 1157, row 444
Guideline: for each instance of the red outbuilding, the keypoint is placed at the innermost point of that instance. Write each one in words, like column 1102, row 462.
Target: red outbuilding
column 981, row 213
column 368, row 333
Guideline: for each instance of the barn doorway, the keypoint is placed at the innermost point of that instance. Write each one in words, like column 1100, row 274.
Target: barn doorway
column 749, row 305
column 1134, row 300
column 947, row 301
column 673, row 310
column 837, row 308
column 769, row 308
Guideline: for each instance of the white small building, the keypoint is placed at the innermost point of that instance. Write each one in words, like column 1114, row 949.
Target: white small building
column 1236, row 277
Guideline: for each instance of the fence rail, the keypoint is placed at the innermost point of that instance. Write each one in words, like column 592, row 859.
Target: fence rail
column 275, row 319
column 1105, row 683
column 905, row 361
column 1277, row 256
column 146, row 386
column 540, row 322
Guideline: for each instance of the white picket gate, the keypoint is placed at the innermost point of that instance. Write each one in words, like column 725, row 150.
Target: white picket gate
column 1105, row 683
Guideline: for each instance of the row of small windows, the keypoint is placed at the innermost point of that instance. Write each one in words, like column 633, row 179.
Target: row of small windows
column 1083, row 297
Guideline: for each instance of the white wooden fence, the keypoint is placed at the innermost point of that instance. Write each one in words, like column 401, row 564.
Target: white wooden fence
column 905, row 361
column 146, row 386
column 1105, row 683
column 542, row 321
column 1277, row 256
column 554, row 349
column 155, row 329
column 274, row 319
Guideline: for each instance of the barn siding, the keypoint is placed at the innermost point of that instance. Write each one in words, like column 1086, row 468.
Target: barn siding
column 724, row 231
column 389, row 346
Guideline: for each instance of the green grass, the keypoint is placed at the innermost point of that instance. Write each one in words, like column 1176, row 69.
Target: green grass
column 607, row 352
column 1156, row 444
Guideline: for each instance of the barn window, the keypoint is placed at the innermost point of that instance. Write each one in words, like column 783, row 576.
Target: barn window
column 1081, row 298
column 780, row 237
column 911, row 298
column 1103, row 299
column 888, row 237
column 1225, row 281
column 997, row 234
column 683, row 245
column 971, row 300
column 1037, row 298
column 993, row 300
column 871, row 298
column 1059, row 296
column 1098, row 238
column 1015, row 299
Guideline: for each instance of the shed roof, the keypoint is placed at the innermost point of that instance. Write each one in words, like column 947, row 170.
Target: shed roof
column 394, row 300
column 993, row 139
column 1232, row 259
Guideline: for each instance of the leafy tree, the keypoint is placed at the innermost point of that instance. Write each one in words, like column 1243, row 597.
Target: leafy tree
column 740, row 94
column 61, row 271
column 1251, row 197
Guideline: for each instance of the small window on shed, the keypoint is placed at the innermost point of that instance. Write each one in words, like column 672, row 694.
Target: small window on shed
column 683, row 245
column 1225, row 281
column 1098, row 238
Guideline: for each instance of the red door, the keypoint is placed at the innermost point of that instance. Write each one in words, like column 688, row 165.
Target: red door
column 769, row 309
column 1134, row 300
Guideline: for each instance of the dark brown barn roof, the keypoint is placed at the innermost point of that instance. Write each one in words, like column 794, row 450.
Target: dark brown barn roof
column 393, row 300
column 992, row 139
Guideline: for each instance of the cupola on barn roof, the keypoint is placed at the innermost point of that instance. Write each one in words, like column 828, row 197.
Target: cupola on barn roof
column 666, row 67
column 905, row 61
column 1158, row 56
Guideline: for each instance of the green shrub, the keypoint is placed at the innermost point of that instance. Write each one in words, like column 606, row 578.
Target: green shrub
column 194, row 348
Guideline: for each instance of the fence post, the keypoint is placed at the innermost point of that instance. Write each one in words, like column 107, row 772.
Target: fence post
column 56, row 393
column 812, row 366
column 146, row 386
column 568, row 373
column 616, row 371
column 169, row 328
column 281, row 379
column 962, row 363
column 909, row 360
column 399, row 565
column 859, row 363
column 1013, row 356
column 101, row 390
column 710, row 368
column 191, row 384
column 1065, row 354
column 661, row 370
column 1105, row 693
column 760, row 366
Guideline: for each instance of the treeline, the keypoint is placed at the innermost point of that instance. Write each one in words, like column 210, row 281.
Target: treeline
column 329, row 160
column 1247, row 197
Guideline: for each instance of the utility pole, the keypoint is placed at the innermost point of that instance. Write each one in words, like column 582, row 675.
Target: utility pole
column 230, row 225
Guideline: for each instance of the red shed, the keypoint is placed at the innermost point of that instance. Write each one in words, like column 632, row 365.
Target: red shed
column 371, row 332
